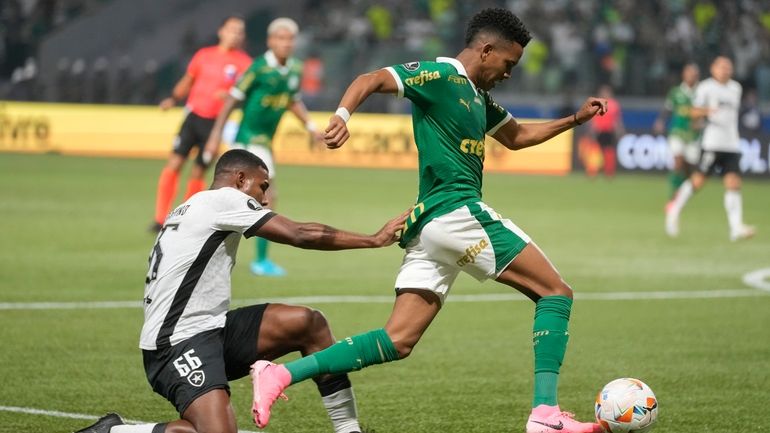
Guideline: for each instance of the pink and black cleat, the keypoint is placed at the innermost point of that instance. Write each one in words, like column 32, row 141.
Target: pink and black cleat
column 550, row 419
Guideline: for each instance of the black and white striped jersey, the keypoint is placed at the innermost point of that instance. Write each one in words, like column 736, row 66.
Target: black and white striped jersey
column 187, row 288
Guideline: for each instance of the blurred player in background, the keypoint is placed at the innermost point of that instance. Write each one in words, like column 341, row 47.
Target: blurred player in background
column 210, row 74
column 268, row 88
column 682, row 133
column 608, row 129
column 191, row 344
column 718, row 100
column 451, row 229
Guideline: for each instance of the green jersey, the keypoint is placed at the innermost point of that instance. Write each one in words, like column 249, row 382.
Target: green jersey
column 679, row 102
column 450, row 118
column 267, row 89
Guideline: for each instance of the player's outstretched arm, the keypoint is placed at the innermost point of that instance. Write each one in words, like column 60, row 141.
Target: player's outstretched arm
column 299, row 110
column 179, row 93
column 212, row 144
column 380, row 81
column 316, row 236
column 515, row 136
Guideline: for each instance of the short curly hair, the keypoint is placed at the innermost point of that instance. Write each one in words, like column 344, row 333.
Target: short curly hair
column 501, row 22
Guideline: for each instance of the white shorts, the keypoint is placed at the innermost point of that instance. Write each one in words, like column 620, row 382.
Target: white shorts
column 690, row 151
column 263, row 152
column 473, row 238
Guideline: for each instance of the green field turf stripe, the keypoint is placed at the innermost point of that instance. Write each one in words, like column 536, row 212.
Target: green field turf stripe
column 489, row 297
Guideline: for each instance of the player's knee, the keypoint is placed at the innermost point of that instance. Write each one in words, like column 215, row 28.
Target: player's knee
column 307, row 321
column 560, row 289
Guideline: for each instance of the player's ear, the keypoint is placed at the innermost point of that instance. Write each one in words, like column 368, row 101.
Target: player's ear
column 240, row 179
column 486, row 49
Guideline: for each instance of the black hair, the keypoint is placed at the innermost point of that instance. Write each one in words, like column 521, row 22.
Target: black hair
column 231, row 17
column 501, row 22
column 236, row 159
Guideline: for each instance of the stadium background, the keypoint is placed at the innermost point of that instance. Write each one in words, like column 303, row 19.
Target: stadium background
column 688, row 316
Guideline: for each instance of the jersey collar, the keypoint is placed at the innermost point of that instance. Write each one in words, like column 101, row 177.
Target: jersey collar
column 272, row 61
column 460, row 69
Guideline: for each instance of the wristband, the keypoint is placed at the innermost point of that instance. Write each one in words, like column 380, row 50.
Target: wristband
column 574, row 117
column 310, row 126
column 343, row 113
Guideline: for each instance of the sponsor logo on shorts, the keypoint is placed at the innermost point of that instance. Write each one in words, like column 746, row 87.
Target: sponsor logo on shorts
column 471, row 252
column 197, row 378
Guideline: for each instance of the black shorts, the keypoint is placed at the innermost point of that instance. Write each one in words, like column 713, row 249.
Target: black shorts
column 606, row 139
column 206, row 361
column 194, row 132
column 719, row 162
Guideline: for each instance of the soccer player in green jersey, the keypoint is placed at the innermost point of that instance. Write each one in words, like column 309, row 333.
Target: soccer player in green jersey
column 266, row 90
column 682, row 133
column 451, row 229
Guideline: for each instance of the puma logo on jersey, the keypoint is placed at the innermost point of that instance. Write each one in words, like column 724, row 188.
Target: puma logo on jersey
column 466, row 104
column 471, row 252
column 422, row 78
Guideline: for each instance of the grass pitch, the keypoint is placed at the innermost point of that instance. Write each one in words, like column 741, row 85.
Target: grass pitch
column 74, row 231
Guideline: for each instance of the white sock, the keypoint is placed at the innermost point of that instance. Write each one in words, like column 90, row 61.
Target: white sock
column 133, row 428
column 341, row 407
column 734, row 209
column 682, row 195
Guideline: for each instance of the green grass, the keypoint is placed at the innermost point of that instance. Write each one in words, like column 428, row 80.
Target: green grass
column 74, row 230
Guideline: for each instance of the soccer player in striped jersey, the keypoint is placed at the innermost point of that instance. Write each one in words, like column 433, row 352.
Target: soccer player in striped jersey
column 267, row 89
column 451, row 229
column 209, row 76
column 191, row 344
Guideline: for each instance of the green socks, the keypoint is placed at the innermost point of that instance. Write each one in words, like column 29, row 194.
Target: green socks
column 549, row 338
column 350, row 354
column 675, row 179
column 261, row 249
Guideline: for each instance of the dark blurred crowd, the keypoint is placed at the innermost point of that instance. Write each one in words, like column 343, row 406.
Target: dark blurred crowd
column 637, row 46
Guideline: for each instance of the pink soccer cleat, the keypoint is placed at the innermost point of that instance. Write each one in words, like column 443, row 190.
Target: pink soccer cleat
column 550, row 419
column 269, row 381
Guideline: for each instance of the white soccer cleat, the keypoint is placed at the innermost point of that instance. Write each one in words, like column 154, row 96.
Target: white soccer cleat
column 744, row 232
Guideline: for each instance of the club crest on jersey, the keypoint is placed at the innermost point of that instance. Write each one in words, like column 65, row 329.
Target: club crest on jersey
column 412, row 66
column 231, row 72
column 252, row 204
column 197, row 378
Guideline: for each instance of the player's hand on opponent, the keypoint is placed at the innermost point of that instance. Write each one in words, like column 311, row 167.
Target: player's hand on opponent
column 336, row 134
column 591, row 108
column 392, row 230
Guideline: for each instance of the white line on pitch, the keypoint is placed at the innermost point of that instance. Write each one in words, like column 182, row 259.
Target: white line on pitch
column 56, row 413
column 759, row 279
column 487, row 297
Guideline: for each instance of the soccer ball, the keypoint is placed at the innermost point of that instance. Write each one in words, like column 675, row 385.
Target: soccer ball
column 626, row 406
